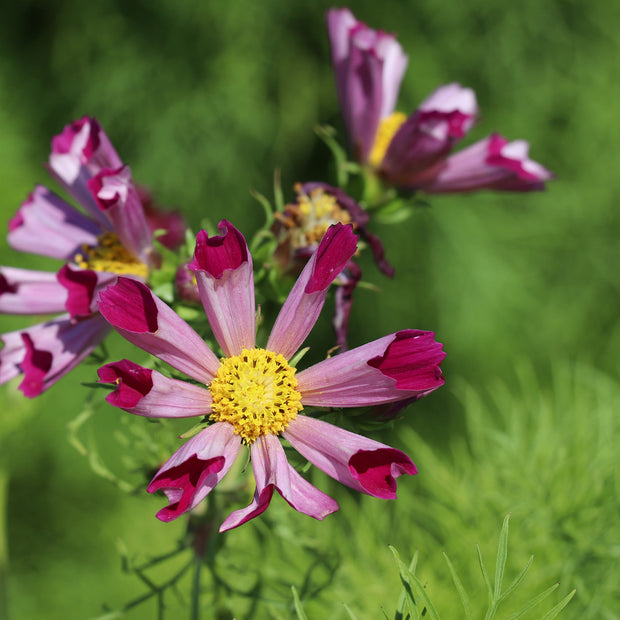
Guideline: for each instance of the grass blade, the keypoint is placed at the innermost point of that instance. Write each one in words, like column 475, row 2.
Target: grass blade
column 554, row 611
column 539, row 599
column 301, row 614
column 500, row 563
column 460, row 588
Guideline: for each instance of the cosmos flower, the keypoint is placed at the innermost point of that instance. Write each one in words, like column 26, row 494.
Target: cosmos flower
column 111, row 238
column 253, row 396
column 413, row 152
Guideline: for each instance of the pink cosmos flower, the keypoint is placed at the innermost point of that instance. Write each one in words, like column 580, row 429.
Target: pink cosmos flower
column 412, row 152
column 112, row 237
column 254, row 395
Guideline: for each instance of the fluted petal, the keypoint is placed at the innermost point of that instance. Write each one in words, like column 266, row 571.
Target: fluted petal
column 23, row 291
column 396, row 367
column 80, row 152
column 223, row 268
column 360, row 463
column 46, row 352
column 272, row 470
column 149, row 393
column 195, row 469
column 46, row 225
column 492, row 163
column 114, row 192
column 146, row 321
column 305, row 301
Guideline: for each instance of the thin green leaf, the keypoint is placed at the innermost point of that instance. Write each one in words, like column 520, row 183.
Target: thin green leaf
column 554, row 611
column 460, row 589
column 267, row 208
column 416, row 588
column 485, row 575
column 301, row 614
column 517, row 580
column 277, row 190
column 535, row 601
column 500, row 563
column 351, row 614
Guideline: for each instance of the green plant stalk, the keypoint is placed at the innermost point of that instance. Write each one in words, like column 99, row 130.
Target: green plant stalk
column 4, row 547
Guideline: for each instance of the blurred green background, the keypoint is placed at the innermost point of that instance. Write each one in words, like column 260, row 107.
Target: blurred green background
column 204, row 100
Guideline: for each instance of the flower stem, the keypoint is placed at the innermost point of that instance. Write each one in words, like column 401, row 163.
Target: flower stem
column 4, row 549
column 196, row 588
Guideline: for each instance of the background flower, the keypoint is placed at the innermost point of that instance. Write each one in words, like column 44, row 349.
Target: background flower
column 112, row 237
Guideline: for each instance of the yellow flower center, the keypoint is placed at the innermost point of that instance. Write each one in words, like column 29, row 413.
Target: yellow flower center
column 386, row 131
column 256, row 392
column 309, row 218
column 110, row 255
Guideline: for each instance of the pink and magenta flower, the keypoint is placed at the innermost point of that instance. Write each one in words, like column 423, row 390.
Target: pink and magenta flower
column 111, row 237
column 253, row 396
column 413, row 152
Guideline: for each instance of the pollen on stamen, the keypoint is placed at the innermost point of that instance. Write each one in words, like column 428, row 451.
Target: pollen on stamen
column 385, row 133
column 111, row 256
column 256, row 392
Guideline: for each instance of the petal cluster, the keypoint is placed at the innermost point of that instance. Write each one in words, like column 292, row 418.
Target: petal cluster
column 398, row 367
column 110, row 236
column 414, row 152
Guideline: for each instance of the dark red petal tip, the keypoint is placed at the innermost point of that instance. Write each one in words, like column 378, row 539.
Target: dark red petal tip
column 133, row 382
column 187, row 478
column 377, row 470
column 129, row 305
column 220, row 252
column 336, row 248
column 35, row 366
column 80, row 285
column 412, row 359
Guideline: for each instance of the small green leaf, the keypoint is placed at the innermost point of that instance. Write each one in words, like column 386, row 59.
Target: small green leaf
column 301, row 614
column 554, row 611
column 535, row 601
column 500, row 563
column 460, row 589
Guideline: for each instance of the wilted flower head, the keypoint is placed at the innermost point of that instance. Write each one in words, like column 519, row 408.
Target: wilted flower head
column 412, row 152
column 112, row 238
column 254, row 395
column 300, row 227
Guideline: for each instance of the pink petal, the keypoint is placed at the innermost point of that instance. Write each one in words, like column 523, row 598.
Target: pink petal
column 223, row 269
column 46, row 352
column 430, row 133
column 195, row 469
column 360, row 463
column 82, row 287
column 305, row 301
column 80, row 152
column 492, row 163
column 395, row 367
column 23, row 291
column 147, row 392
column 46, row 225
column 115, row 194
column 272, row 470
column 146, row 321
column 369, row 66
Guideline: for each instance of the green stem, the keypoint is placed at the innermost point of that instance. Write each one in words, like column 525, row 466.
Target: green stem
column 4, row 548
column 196, row 588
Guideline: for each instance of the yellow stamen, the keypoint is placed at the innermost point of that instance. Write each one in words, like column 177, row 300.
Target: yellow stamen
column 256, row 392
column 387, row 130
column 110, row 255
